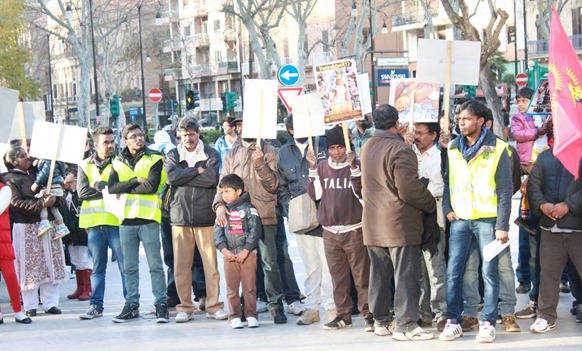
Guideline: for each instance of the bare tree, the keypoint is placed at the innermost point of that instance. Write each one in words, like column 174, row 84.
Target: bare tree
column 489, row 45
column 300, row 10
column 544, row 10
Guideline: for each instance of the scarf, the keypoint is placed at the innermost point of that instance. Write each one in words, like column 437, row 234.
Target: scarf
column 469, row 152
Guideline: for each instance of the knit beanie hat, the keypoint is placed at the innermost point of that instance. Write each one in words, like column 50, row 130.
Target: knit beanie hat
column 335, row 136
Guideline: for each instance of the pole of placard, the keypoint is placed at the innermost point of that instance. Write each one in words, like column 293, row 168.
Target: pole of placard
column 260, row 118
column 22, row 126
column 447, row 97
column 346, row 137
column 411, row 123
column 54, row 159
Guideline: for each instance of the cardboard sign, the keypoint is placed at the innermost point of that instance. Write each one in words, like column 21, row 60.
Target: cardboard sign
column 308, row 116
column 59, row 142
column 260, row 112
column 4, row 147
column 33, row 111
column 540, row 103
column 8, row 102
column 426, row 100
column 365, row 98
column 337, row 86
column 432, row 61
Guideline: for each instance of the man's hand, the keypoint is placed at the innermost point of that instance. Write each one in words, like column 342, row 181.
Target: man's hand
column 444, row 139
column 502, row 235
column 311, row 159
column 201, row 170
column 409, row 138
column 230, row 257
column 258, row 157
column 560, row 210
column 351, row 159
column 221, row 213
column 242, row 256
column 49, row 200
column 451, row 216
column 34, row 187
column 141, row 180
column 548, row 210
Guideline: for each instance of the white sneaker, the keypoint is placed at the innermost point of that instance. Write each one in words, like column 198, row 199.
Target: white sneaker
column 236, row 323
column 220, row 315
column 542, row 326
column 381, row 330
column 418, row 334
column 295, row 308
column 183, row 317
column 486, row 332
column 451, row 332
column 262, row 306
column 252, row 322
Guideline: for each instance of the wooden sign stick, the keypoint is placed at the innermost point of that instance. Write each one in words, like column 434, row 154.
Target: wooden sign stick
column 346, row 137
column 22, row 126
column 411, row 123
column 54, row 159
column 260, row 118
column 309, row 120
column 447, row 92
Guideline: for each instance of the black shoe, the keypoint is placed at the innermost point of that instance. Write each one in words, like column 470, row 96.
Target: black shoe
column 127, row 314
column 26, row 320
column 520, row 222
column 574, row 310
column 339, row 322
column 162, row 314
column 172, row 301
column 31, row 313
column 579, row 314
column 202, row 304
column 2, row 320
column 523, row 288
column 355, row 310
column 53, row 310
column 564, row 288
column 279, row 316
column 369, row 323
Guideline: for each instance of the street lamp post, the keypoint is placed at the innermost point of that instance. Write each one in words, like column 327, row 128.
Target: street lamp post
column 50, row 79
column 141, row 63
column 94, row 60
column 373, row 97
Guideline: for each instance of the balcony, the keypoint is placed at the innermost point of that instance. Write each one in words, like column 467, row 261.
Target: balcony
column 540, row 48
column 230, row 35
column 413, row 19
column 172, row 74
column 227, row 67
column 201, row 40
column 201, row 70
column 200, row 10
column 172, row 45
column 319, row 58
column 171, row 16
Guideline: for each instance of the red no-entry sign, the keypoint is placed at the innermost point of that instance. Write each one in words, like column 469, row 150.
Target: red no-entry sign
column 155, row 95
column 521, row 79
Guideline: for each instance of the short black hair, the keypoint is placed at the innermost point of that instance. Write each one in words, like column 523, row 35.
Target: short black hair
column 11, row 155
column 385, row 117
column 289, row 123
column 188, row 123
column 232, row 181
column 525, row 92
column 477, row 108
column 101, row 130
column 432, row 127
column 128, row 128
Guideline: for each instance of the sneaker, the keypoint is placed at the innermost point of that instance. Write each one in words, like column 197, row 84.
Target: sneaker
column 262, row 306
column 369, row 323
column 92, row 312
column 279, row 316
column 529, row 311
column 236, row 323
column 127, row 314
column 469, row 323
column 564, row 288
column 162, row 314
column 183, row 317
column 486, row 332
column 339, row 323
column 381, row 329
column 295, row 308
column 43, row 227
column 451, row 332
column 523, row 288
column 417, row 334
column 331, row 314
column 510, row 325
column 573, row 310
column 20, row 317
column 252, row 322
column 308, row 317
column 218, row 315
column 542, row 326
column 61, row 232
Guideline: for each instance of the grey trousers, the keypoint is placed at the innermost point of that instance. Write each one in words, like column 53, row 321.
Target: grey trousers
column 402, row 263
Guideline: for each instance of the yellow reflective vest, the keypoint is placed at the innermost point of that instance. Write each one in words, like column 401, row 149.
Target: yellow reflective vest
column 144, row 206
column 472, row 184
column 93, row 212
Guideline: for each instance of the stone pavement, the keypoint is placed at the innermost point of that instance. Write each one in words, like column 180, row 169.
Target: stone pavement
column 67, row 331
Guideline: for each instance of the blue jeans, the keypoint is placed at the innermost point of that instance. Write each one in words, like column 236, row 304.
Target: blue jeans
column 463, row 232
column 98, row 241
column 149, row 235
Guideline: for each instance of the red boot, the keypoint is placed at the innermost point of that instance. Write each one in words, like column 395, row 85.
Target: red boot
column 80, row 285
column 86, row 295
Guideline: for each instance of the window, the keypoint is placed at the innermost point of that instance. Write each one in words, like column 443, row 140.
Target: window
column 325, row 40
column 218, row 57
column 187, row 31
column 216, row 25
column 510, row 34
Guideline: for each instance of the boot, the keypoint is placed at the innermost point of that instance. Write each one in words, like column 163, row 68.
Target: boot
column 80, row 285
column 86, row 295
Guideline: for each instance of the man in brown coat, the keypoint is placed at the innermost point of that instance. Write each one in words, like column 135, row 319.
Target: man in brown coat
column 394, row 198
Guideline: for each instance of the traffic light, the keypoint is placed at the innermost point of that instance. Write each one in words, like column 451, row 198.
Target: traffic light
column 371, row 86
column 190, row 100
column 224, row 104
column 114, row 106
column 231, row 98
column 196, row 98
column 471, row 91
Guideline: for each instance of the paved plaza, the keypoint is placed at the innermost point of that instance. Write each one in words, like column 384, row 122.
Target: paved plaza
column 68, row 332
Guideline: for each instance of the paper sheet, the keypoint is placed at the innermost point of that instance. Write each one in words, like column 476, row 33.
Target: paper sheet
column 115, row 205
column 493, row 249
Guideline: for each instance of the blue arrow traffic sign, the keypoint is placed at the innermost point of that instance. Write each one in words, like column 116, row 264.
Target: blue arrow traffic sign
column 288, row 75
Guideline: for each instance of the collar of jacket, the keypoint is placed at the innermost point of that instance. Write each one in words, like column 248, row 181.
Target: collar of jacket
column 94, row 160
column 182, row 151
column 383, row 133
column 243, row 198
column 126, row 157
column 489, row 141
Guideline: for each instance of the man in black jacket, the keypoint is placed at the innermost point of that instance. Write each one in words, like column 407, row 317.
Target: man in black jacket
column 192, row 170
column 557, row 198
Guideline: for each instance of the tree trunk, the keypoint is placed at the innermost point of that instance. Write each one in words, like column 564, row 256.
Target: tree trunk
column 493, row 102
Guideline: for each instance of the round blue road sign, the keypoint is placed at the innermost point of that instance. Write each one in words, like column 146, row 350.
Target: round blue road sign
column 288, row 75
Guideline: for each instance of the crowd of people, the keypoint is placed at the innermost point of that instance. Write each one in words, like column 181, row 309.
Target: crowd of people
column 393, row 227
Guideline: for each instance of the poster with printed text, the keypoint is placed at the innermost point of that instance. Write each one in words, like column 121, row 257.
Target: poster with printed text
column 337, row 86
column 426, row 100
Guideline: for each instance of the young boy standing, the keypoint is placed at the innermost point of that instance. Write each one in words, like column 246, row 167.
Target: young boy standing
column 238, row 242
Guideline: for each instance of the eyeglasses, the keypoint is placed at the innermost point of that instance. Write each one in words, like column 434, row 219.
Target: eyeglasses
column 135, row 136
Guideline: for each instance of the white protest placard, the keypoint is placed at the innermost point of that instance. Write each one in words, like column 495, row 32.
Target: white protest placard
column 308, row 116
column 33, row 111
column 8, row 102
column 58, row 142
column 432, row 61
column 4, row 147
column 365, row 99
column 260, row 112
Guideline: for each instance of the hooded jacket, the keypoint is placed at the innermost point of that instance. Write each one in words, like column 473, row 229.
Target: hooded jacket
column 248, row 236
